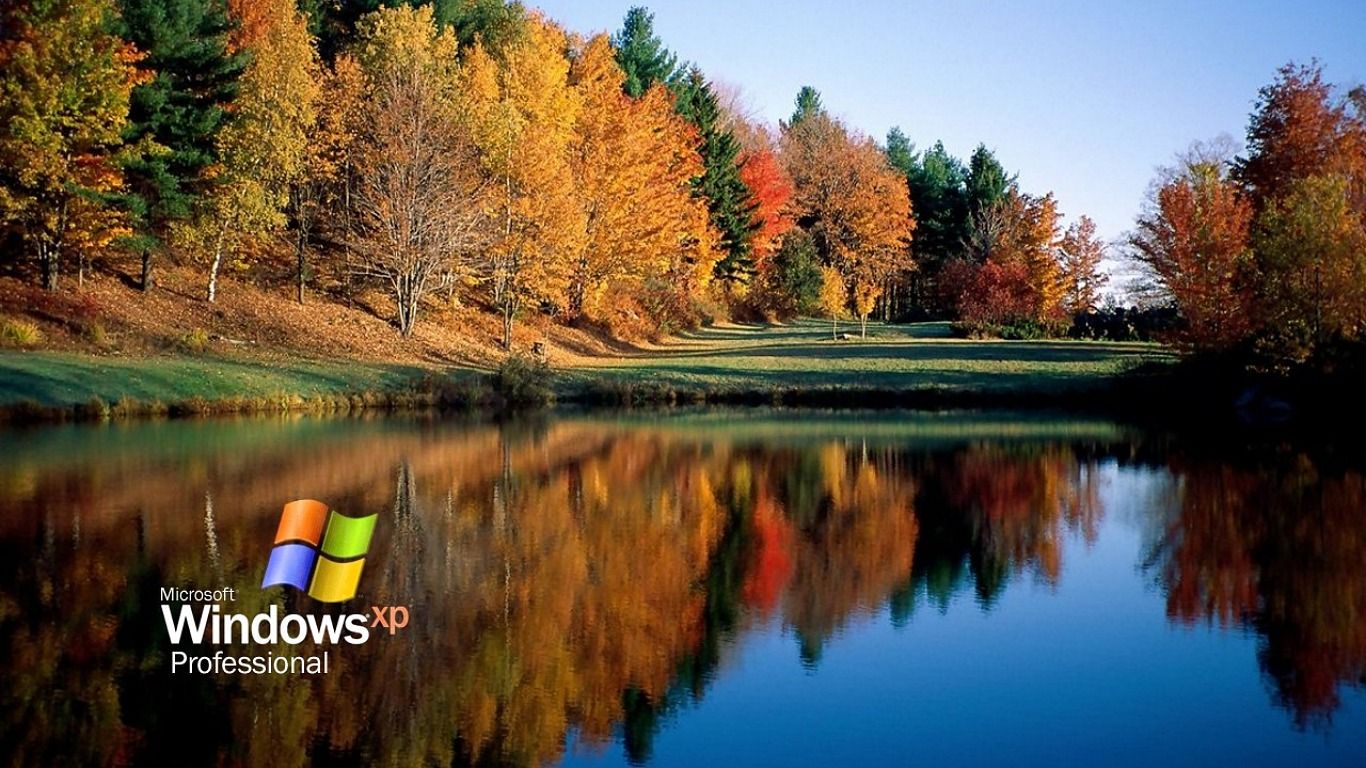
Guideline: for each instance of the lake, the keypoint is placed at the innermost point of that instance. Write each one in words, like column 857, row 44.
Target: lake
column 712, row 587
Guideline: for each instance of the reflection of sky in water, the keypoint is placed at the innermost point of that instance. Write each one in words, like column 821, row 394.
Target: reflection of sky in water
column 1088, row 672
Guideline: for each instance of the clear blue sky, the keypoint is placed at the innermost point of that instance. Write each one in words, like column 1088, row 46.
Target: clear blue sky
column 1083, row 97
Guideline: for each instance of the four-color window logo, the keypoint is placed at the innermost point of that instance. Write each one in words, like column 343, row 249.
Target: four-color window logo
column 319, row 551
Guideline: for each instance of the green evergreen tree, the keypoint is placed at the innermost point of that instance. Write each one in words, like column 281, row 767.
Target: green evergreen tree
column 808, row 104
column 642, row 55
column 174, row 118
column 986, row 181
column 939, row 198
column 729, row 202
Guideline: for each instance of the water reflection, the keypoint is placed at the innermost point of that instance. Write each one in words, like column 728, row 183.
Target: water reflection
column 586, row 578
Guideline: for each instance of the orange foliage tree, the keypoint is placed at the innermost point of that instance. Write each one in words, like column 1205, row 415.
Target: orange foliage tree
column 856, row 206
column 1194, row 237
column 633, row 161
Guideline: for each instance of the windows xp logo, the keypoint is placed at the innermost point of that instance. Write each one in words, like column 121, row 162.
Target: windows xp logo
column 318, row 551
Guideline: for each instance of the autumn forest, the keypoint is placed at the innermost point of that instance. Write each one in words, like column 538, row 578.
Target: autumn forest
column 476, row 153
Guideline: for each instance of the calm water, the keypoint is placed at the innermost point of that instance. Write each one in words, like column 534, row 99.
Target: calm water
column 714, row 588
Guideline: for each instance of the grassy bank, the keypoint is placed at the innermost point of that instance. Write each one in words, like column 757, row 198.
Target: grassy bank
column 916, row 365
column 44, row 386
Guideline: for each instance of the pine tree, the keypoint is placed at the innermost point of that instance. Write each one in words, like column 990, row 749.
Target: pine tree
column 987, row 180
column 808, row 105
column 729, row 202
column 642, row 56
column 175, row 117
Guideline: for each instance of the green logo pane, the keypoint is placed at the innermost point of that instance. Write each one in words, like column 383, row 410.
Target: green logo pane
column 347, row 537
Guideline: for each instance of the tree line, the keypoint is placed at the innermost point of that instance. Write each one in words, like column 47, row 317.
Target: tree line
column 476, row 148
column 1264, row 253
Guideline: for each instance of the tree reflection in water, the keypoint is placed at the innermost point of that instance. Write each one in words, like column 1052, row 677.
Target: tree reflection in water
column 588, row 578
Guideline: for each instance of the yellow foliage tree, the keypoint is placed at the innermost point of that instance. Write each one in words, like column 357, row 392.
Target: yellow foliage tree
column 64, row 89
column 264, row 146
column 834, row 297
column 523, row 113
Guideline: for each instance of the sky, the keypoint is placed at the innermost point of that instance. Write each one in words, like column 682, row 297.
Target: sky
column 1085, row 98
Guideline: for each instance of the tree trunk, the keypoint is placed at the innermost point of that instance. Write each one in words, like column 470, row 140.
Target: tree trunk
column 217, row 260
column 301, row 262
column 405, row 298
column 834, row 329
column 47, row 255
column 863, row 332
column 507, row 327
column 146, row 270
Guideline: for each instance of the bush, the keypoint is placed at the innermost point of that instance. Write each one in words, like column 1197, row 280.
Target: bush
column 19, row 333
column 521, row 381
column 195, row 342
column 97, row 334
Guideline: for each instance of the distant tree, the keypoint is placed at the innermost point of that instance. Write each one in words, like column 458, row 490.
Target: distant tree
column 834, row 297
column 634, row 162
column 866, row 294
column 1080, row 253
column 986, row 181
column 420, row 194
column 1023, row 229
column 730, row 203
column 176, row 114
column 1194, row 237
column 808, row 105
column 642, row 56
column 64, row 88
column 336, row 23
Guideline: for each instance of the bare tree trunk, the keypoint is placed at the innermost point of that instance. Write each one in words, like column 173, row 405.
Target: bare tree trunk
column 217, row 260
column 863, row 320
column 834, row 328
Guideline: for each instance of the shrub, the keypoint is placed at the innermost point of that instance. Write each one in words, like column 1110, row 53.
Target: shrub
column 19, row 333
column 195, row 342
column 521, row 381
column 96, row 333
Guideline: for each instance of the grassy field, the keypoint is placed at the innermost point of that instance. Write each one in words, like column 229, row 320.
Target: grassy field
column 919, row 356
column 63, row 378
column 729, row 360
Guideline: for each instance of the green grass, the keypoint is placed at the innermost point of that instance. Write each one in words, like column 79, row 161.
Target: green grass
column 707, row 364
column 62, row 379
column 920, row 357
